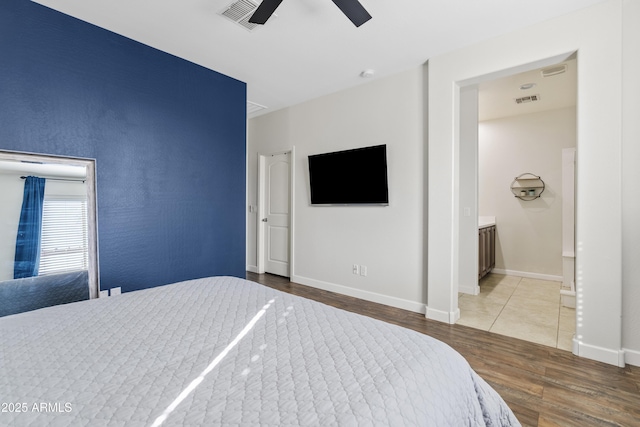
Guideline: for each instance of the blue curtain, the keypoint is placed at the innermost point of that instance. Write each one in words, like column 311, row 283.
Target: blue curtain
column 30, row 229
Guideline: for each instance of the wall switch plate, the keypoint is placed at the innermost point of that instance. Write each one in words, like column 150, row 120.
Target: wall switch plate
column 356, row 269
column 363, row 270
column 467, row 211
column 104, row 294
column 115, row 291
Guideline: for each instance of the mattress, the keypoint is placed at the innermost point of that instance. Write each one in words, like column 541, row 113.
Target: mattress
column 226, row 351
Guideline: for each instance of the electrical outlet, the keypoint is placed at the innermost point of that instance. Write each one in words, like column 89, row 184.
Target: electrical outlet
column 356, row 269
column 115, row 291
column 363, row 270
column 104, row 294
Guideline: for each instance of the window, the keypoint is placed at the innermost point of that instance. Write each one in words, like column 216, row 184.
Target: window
column 64, row 245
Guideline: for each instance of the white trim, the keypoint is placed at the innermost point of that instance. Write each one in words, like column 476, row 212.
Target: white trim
column 471, row 290
column 252, row 268
column 260, row 225
column 359, row 293
column 292, row 209
column 450, row 317
column 601, row 354
column 632, row 357
column 528, row 275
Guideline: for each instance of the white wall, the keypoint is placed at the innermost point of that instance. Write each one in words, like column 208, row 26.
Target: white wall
column 467, row 188
column 329, row 240
column 596, row 34
column 529, row 233
column 10, row 204
column 630, row 179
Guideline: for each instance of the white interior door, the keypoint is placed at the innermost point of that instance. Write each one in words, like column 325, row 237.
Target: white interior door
column 276, row 213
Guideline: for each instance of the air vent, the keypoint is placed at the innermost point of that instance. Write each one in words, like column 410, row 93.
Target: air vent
column 240, row 12
column 554, row 71
column 252, row 107
column 527, row 99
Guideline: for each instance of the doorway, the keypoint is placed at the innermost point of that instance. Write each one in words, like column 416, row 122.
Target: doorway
column 275, row 234
column 522, row 124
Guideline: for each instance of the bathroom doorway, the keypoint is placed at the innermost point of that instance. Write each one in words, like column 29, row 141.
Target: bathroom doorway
column 524, row 122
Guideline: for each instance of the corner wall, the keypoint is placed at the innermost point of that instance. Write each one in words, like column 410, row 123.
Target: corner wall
column 329, row 240
column 168, row 137
column 630, row 178
column 12, row 193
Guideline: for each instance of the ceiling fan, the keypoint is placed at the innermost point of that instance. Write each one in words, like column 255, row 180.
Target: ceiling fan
column 351, row 8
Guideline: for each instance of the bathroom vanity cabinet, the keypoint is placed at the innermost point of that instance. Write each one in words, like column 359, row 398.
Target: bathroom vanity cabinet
column 487, row 252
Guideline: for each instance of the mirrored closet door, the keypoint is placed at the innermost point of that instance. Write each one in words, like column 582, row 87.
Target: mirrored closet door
column 48, row 238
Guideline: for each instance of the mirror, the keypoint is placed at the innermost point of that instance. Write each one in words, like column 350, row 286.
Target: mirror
column 48, row 238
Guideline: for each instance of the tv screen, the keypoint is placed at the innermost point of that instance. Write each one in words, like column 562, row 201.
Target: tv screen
column 350, row 177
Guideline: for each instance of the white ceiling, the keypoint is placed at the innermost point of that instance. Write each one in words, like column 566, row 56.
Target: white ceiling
column 311, row 49
column 496, row 98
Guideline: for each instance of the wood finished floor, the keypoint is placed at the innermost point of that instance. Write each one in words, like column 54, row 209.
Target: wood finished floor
column 542, row 385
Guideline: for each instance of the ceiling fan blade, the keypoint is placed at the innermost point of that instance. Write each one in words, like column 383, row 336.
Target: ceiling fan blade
column 264, row 11
column 354, row 11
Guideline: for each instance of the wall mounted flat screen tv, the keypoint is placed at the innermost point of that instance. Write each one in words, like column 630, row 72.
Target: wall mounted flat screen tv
column 350, row 177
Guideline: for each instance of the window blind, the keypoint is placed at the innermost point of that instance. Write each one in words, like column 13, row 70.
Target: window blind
column 64, row 245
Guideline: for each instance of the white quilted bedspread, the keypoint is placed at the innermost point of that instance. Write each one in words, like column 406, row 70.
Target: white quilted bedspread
column 123, row 361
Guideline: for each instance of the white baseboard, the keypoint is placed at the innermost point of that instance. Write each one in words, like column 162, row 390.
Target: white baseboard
column 252, row 268
column 359, row 293
column 471, row 290
column 567, row 298
column 528, row 275
column 450, row 317
column 632, row 357
column 601, row 354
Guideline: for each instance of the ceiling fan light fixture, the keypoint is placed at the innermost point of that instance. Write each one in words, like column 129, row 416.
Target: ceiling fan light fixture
column 351, row 8
column 264, row 11
column 354, row 11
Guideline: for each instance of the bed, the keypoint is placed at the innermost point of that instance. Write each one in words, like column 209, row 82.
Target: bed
column 226, row 351
column 31, row 293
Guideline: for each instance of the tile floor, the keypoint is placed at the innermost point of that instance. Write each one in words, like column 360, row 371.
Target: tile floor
column 519, row 307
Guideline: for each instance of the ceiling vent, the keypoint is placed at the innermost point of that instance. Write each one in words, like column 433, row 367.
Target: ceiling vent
column 252, row 107
column 527, row 99
column 240, row 12
column 554, row 71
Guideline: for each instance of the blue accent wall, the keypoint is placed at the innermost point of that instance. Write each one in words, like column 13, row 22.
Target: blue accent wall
column 168, row 137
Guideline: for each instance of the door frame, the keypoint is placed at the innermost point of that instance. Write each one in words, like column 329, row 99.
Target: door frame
column 445, row 266
column 467, row 148
column 261, row 229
